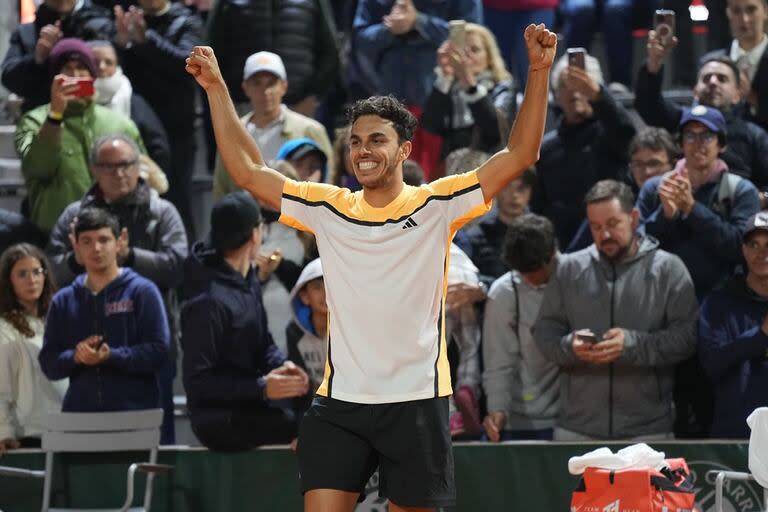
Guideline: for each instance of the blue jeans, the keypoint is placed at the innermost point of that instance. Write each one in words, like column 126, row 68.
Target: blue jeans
column 508, row 27
column 581, row 18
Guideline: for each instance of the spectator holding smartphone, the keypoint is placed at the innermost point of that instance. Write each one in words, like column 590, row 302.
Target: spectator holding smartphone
column 639, row 301
column 747, row 20
column 107, row 331
column 25, row 67
column 718, row 85
column 472, row 90
column 53, row 140
column 589, row 144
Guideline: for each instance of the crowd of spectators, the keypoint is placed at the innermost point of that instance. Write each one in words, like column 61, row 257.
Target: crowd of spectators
column 617, row 290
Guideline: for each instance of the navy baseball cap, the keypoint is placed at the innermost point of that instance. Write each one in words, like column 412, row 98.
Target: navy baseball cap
column 708, row 116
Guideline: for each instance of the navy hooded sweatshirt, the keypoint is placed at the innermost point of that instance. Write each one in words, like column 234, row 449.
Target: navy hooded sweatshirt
column 226, row 344
column 734, row 353
column 130, row 316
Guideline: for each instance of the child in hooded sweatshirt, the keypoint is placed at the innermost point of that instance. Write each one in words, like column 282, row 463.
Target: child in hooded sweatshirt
column 306, row 333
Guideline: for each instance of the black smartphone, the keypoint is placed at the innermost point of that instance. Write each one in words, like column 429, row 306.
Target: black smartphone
column 664, row 25
column 587, row 336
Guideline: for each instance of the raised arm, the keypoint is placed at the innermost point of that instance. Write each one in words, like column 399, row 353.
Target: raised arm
column 238, row 151
column 522, row 149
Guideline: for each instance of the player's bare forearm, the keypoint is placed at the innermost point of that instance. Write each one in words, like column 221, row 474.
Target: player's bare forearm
column 522, row 150
column 239, row 152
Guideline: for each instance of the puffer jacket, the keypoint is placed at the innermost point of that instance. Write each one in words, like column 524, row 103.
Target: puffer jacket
column 300, row 31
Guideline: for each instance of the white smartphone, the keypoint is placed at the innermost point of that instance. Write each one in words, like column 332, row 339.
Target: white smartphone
column 457, row 33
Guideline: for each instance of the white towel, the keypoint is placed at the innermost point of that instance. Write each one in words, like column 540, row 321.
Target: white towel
column 758, row 445
column 636, row 456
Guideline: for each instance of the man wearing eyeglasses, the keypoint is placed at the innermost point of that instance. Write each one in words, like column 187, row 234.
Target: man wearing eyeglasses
column 699, row 211
column 156, row 243
column 718, row 85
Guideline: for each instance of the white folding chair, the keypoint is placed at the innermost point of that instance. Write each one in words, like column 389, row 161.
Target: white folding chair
column 758, row 460
column 100, row 432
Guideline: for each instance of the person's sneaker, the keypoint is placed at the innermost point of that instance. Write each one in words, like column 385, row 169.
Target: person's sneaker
column 456, row 424
column 466, row 402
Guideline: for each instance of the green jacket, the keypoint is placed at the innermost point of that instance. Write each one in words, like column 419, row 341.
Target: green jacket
column 57, row 174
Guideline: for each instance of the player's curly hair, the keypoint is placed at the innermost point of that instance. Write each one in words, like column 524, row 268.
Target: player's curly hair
column 386, row 107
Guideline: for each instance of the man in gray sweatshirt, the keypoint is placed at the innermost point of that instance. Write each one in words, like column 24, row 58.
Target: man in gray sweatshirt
column 522, row 385
column 634, row 308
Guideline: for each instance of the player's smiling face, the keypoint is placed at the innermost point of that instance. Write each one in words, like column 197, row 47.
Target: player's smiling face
column 375, row 152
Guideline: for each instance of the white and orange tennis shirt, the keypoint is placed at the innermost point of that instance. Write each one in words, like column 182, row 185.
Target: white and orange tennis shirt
column 385, row 277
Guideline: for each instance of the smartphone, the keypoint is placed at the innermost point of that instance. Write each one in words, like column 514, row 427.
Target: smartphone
column 457, row 33
column 577, row 57
column 587, row 336
column 664, row 25
column 84, row 85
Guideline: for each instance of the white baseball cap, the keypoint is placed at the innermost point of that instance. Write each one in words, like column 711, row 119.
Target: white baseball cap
column 264, row 61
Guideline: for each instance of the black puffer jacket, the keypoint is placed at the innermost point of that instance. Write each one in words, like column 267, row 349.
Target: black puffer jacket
column 156, row 66
column 575, row 157
column 300, row 31
column 22, row 75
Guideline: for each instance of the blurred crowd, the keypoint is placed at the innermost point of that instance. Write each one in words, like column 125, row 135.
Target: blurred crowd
column 617, row 290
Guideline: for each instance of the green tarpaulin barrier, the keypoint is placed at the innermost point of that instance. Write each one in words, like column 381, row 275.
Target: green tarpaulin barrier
column 508, row 477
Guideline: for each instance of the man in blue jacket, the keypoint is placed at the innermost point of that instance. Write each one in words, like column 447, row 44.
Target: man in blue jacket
column 698, row 212
column 233, row 371
column 733, row 337
column 107, row 331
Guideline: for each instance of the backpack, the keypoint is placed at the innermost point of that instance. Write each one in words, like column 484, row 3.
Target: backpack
column 640, row 490
column 725, row 194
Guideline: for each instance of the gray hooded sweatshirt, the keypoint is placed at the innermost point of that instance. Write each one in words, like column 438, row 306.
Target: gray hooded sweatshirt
column 651, row 297
column 517, row 378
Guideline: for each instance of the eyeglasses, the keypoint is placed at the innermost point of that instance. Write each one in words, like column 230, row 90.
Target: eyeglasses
column 35, row 272
column 124, row 165
column 700, row 137
column 650, row 164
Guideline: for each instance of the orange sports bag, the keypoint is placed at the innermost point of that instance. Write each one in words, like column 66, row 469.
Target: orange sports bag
column 635, row 490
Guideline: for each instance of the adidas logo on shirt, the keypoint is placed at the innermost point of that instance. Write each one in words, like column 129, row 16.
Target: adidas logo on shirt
column 410, row 223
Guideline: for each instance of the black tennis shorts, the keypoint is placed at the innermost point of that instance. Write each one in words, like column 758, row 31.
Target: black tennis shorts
column 342, row 443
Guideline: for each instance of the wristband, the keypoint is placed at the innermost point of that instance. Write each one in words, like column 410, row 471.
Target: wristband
column 54, row 120
column 56, row 116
